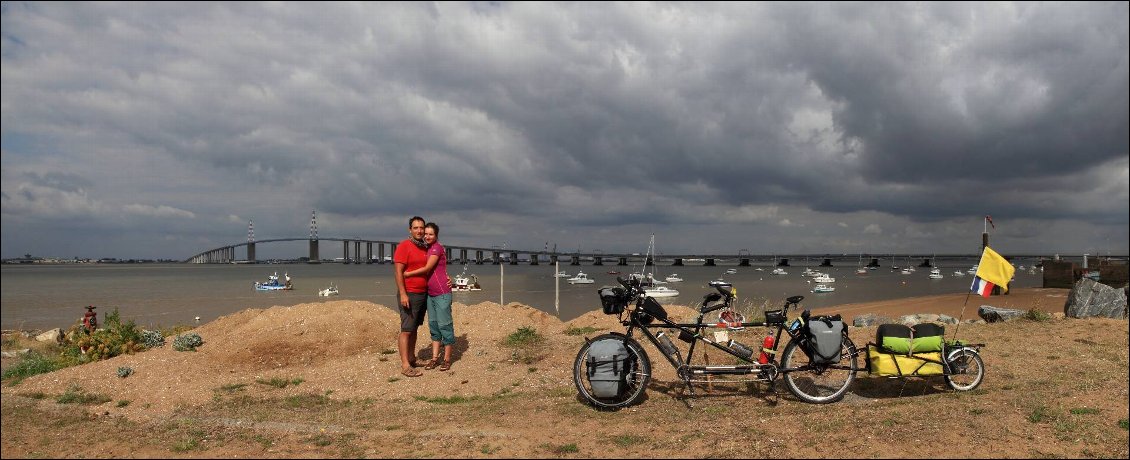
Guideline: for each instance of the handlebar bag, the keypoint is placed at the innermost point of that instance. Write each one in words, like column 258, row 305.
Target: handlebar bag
column 825, row 338
column 613, row 299
column 609, row 365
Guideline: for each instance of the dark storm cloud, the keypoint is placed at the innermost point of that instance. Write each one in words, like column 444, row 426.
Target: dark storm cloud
column 898, row 125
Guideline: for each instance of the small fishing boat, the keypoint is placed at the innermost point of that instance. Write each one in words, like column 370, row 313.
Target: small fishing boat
column 273, row 284
column 464, row 282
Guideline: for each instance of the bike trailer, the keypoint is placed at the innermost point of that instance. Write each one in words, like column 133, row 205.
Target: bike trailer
column 903, row 351
column 609, row 365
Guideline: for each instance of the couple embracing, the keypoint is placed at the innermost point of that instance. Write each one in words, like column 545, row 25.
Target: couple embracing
column 423, row 286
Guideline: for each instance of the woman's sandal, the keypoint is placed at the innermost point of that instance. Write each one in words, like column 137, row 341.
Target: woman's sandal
column 446, row 365
column 411, row 372
column 432, row 364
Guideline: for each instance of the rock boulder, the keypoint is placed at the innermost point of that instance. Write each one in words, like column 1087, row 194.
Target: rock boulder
column 1092, row 298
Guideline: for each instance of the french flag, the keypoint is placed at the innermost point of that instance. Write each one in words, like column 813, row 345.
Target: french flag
column 982, row 287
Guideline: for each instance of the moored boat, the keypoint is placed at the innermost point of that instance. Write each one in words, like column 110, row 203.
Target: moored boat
column 273, row 284
column 822, row 288
column 330, row 291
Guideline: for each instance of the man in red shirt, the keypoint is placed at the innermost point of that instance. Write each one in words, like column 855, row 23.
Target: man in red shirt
column 413, row 292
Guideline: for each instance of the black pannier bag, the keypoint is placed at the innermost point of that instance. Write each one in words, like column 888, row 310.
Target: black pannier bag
column 609, row 366
column 614, row 299
column 825, row 338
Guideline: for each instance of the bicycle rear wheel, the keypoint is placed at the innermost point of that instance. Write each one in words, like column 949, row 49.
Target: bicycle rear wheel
column 635, row 382
column 819, row 383
column 966, row 369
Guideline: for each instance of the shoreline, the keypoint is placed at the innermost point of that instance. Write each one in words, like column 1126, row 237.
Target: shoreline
column 1048, row 300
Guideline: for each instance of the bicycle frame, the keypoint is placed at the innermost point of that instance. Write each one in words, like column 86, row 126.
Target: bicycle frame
column 693, row 333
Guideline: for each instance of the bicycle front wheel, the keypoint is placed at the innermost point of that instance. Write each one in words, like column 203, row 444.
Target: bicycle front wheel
column 819, row 383
column 631, row 388
column 966, row 369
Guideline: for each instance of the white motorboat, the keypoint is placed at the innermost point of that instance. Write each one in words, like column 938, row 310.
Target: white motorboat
column 661, row 291
column 562, row 274
column 673, row 278
column 330, row 291
column 936, row 274
column 581, row 278
column 822, row 288
column 778, row 271
column 823, row 278
column 731, row 271
column 720, row 282
column 861, row 271
column 958, row 273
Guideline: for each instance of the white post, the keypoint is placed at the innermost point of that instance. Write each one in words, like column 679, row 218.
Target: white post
column 557, row 288
column 501, row 283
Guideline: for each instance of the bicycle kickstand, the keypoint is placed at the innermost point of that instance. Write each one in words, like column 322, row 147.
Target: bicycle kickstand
column 689, row 390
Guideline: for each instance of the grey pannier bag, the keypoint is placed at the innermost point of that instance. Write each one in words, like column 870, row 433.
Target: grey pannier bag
column 825, row 338
column 609, row 365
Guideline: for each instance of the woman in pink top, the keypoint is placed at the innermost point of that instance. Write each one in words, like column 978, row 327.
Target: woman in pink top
column 440, row 322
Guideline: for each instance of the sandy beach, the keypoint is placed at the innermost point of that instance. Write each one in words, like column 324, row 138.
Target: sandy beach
column 964, row 306
column 505, row 402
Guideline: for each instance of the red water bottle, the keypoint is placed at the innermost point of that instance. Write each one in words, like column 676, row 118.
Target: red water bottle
column 766, row 348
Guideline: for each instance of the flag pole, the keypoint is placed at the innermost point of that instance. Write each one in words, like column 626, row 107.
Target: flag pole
column 961, row 316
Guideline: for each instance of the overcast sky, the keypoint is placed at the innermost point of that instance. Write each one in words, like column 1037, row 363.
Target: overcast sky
column 159, row 130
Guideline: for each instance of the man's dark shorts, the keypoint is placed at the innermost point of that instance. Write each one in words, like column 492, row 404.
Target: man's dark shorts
column 412, row 317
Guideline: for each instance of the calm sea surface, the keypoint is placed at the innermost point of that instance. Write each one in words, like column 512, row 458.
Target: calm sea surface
column 48, row 296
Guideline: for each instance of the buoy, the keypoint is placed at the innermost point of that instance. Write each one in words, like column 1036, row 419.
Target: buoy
column 198, row 319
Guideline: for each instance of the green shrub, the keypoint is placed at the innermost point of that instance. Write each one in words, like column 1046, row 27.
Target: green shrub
column 125, row 371
column 580, row 330
column 187, row 342
column 116, row 338
column 524, row 336
column 152, row 339
column 1037, row 315
column 34, row 363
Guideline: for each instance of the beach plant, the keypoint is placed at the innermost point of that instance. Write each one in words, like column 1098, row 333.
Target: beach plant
column 524, row 336
column 152, row 339
column 1035, row 314
column 572, row 330
column 527, row 345
column 125, row 371
column 187, row 342
column 34, row 363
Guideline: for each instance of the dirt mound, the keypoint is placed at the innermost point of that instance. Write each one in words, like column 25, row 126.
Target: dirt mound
column 305, row 333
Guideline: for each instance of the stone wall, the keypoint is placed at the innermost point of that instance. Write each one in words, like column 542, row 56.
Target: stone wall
column 1064, row 274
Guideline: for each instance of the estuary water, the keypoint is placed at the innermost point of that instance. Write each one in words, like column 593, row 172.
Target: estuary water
column 153, row 295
